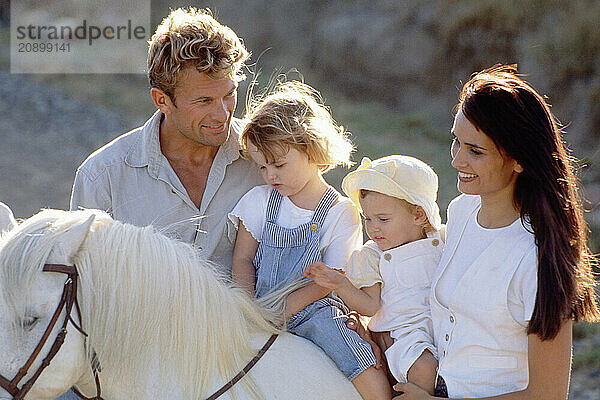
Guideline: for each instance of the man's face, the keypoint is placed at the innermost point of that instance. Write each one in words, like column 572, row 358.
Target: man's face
column 203, row 107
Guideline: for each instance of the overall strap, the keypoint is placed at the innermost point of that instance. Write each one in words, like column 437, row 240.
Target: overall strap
column 328, row 199
column 273, row 205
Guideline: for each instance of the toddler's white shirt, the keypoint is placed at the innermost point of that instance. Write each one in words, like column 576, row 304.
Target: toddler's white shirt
column 406, row 273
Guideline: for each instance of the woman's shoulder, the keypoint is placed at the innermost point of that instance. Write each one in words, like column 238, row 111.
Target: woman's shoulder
column 463, row 204
column 464, row 201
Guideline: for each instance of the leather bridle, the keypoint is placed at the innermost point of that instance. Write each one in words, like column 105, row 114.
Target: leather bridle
column 67, row 300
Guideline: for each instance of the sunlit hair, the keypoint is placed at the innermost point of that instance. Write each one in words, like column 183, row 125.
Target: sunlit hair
column 519, row 121
column 192, row 37
column 293, row 115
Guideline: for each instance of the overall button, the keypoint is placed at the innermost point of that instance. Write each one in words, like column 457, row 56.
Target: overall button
column 313, row 227
column 387, row 256
column 435, row 242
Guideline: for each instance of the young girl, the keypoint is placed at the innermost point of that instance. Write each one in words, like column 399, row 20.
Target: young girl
column 516, row 270
column 390, row 277
column 297, row 219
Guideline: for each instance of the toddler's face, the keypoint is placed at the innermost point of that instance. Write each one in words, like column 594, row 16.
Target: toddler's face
column 389, row 221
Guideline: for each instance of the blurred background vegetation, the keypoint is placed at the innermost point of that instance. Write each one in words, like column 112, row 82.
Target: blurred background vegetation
column 390, row 71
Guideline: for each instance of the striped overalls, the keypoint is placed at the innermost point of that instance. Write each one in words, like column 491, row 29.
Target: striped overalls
column 282, row 256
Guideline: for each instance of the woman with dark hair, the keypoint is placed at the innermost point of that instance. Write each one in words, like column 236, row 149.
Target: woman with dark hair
column 516, row 271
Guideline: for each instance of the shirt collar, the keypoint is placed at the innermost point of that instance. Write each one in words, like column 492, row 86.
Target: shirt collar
column 417, row 247
column 146, row 149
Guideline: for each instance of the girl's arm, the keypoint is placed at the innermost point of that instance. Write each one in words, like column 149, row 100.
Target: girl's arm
column 302, row 297
column 549, row 371
column 366, row 301
column 242, row 267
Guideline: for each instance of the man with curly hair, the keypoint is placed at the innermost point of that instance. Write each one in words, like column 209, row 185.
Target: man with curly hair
column 181, row 171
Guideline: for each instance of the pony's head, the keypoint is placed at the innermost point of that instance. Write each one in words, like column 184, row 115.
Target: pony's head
column 150, row 306
column 29, row 298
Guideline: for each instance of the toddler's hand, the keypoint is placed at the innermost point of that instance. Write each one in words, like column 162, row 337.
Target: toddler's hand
column 324, row 276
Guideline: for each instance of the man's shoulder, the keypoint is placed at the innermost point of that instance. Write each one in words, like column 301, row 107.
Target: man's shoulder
column 113, row 153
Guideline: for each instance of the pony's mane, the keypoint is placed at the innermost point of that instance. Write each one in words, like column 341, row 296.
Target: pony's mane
column 145, row 298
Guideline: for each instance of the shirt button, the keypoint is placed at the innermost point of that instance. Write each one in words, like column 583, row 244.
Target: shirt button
column 435, row 242
column 451, row 319
column 387, row 256
column 447, row 337
column 313, row 227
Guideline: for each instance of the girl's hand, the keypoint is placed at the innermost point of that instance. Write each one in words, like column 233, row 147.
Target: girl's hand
column 410, row 392
column 324, row 276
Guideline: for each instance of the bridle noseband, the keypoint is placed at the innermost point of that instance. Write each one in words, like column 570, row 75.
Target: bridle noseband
column 68, row 298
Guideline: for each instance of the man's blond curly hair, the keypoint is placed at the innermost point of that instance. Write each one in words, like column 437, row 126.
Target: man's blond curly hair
column 192, row 37
column 293, row 115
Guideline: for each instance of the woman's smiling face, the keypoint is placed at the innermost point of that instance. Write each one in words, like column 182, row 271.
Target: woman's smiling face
column 482, row 168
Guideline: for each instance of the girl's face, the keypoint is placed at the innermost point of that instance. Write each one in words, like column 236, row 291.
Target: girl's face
column 291, row 173
column 482, row 168
column 389, row 222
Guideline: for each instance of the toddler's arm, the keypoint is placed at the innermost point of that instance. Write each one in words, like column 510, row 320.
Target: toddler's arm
column 423, row 371
column 365, row 301
column 242, row 267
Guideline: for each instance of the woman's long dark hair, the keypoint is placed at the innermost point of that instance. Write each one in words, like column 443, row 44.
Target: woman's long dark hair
column 508, row 110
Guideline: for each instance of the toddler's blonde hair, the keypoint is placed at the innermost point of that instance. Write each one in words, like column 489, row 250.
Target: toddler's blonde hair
column 293, row 114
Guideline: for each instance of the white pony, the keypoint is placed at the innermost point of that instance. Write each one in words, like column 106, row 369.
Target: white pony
column 160, row 321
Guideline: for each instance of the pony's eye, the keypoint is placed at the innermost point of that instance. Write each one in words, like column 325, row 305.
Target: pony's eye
column 29, row 322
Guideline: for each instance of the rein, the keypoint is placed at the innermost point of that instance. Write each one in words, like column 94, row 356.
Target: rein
column 245, row 370
column 68, row 298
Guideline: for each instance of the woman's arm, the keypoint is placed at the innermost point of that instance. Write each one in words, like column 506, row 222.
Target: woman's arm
column 242, row 267
column 549, row 370
column 366, row 301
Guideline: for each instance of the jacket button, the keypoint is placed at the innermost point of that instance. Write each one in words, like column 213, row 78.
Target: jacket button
column 387, row 256
column 451, row 319
column 447, row 337
column 435, row 242
column 313, row 227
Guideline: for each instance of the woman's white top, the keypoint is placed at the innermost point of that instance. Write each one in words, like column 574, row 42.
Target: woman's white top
column 405, row 273
column 339, row 236
column 7, row 220
column 482, row 299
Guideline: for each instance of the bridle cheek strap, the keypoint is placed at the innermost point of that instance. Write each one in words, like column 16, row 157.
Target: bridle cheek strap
column 68, row 298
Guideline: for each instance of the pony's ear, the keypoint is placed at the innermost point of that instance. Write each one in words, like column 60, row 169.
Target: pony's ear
column 69, row 243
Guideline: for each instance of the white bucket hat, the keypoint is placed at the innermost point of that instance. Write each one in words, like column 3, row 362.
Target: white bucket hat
column 403, row 177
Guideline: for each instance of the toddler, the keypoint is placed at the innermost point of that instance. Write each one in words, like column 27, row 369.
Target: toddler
column 297, row 219
column 389, row 278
